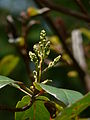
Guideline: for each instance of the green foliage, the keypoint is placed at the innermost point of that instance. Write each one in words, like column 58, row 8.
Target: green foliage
column 37, row 111
column 23, row 32
column 5, row 81
column 75, row 109
column 42, row 108
column 67, row 97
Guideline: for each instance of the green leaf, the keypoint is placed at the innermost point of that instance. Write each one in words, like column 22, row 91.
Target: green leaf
column 65, row 96
column 75, row 109
column 42, row 98
column 5, row 81
column 37, row 111
column 37, row 86
column 7, row 64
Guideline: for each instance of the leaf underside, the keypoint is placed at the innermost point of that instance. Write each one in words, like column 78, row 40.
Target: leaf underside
column 68, row 97
column 5, row 81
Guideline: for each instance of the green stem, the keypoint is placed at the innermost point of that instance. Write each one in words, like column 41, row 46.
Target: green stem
column 25, row 92
column 45, row 70
column 24, row 88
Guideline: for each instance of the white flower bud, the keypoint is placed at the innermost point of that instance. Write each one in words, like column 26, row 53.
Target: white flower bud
column 56, row 60
column 33, row 57
column 35, row 75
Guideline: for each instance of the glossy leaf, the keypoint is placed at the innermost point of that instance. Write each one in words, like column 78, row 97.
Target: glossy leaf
column 37, row 111
column 75, row 109
column 65, row 96
column 5, row 81
column 7, row 64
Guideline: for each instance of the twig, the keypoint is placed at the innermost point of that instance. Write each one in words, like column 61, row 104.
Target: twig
column 24, row 50
column 75, row 63
column 6, row 108
column 11, row 27
column 21, row 84
column 43, row 11
column 30, row 24
column 64, row 10
column 79, row 3
column 9, row 109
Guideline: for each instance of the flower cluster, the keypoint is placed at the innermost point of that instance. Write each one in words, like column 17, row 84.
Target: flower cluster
column 41, row 51
column 44, row 45
column 33, row 58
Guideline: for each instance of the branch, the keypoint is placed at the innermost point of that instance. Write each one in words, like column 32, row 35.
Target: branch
column 11, row 28
column 6, row 108
column 9, row 109
column 43, row 11
column 65, row 10
column 79, row 3
column 53, row 25
column 23, row 50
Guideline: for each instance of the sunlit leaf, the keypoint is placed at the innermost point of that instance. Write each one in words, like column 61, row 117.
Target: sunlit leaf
column 7, row 64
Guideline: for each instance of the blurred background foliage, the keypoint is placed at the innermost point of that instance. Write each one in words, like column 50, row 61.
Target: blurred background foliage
column 12, row 63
